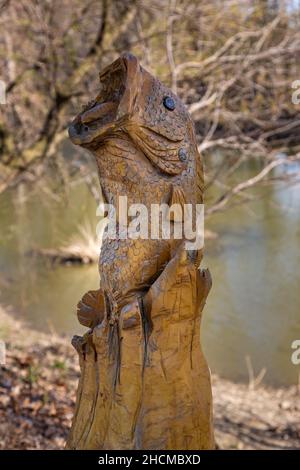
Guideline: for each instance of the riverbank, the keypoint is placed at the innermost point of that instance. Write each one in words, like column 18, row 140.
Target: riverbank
column 38, row 386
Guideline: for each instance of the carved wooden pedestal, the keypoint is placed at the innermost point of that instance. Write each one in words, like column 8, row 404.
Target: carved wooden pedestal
column 144, row 380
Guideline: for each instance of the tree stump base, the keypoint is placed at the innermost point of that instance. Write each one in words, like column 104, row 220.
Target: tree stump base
column 144, row 380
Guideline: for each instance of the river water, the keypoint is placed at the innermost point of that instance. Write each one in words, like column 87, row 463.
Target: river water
column 253, row 310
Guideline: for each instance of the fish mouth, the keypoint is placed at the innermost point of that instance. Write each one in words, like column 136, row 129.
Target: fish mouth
column 113, row 105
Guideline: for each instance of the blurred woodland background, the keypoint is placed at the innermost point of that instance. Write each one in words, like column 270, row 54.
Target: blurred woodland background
column 233, row 63
column 236, row 65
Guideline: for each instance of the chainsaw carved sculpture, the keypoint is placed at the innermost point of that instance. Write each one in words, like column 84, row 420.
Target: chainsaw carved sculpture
column 144, row 380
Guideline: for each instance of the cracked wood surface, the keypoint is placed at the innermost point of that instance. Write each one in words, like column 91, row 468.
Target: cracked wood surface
column 144, row 380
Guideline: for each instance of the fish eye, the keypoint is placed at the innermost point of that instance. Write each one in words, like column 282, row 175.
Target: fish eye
column 169, row 103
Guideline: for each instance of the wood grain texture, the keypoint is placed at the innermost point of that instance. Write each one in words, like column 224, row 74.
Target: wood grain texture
column 144, row 380
column 153, row 390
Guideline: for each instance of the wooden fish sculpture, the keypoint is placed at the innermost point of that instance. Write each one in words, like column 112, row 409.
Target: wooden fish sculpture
column 144, row 380
column 144, row 143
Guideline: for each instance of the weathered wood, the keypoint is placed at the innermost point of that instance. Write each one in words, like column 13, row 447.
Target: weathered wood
column 144, row 380
column 155, row 392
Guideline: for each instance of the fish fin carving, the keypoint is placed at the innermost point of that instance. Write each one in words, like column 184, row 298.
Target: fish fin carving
column 164, row 157
column 177, row 200
column 91, row 308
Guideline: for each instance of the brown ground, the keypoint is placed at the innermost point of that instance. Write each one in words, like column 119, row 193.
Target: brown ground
column 37, row 391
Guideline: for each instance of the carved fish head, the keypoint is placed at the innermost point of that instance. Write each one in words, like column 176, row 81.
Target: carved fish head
column 133, row 102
